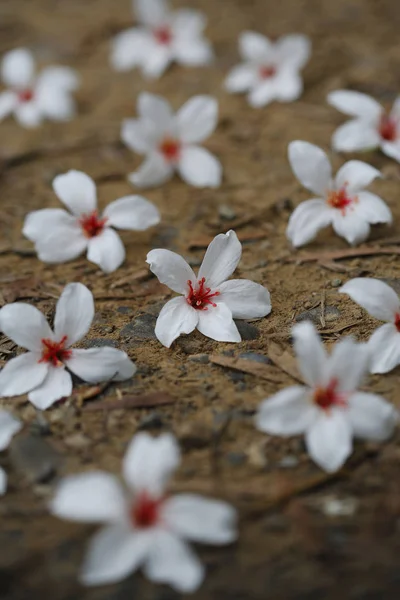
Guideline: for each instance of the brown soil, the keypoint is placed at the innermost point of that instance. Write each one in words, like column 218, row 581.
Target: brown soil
column 288, row 547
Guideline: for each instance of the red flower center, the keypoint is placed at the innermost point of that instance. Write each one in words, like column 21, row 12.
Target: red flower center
column 170, row 148
column 329, row 396
column 340, row 199
column 91, row 224
column 25, row 95
column 388, row 128
column 55, row 352
column 397, row 322
column 145, row 511
column 200, row 297
column 163, row 35
column 267, row 72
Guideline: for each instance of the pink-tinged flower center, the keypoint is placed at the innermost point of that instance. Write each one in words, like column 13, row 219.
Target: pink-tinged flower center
column 397, row 322
column 170, row 149
column 329, row 396
column 55, row 352
column 163, row 35
column 267, row 72
column 201, row 296
column 92, row 224
column 388, row 128
column 340, row 199
column 25, row 95
column 145, row 511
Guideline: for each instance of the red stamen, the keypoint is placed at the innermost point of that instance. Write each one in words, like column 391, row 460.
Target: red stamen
column 340, row 199
column 388, row 128
column 267, row 72
column 55, row 352
column 163, row 35
column 145, row 511
column 25, row 95
column 397, row 322
column 170, row 148
column 91, row 224
column 328, row 397
column 200, row 297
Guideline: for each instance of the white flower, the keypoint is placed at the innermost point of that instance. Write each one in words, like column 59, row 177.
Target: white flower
column 145, row 527
column 381, row 302
column 163, row 37
column 330, row 411
column 341, row 202
column 270, row 71
column 60, row 236
column 170, row 142
column 9, row 426
column 41, row 371
column 34, row 98
column 208, row 301
column 371, row 126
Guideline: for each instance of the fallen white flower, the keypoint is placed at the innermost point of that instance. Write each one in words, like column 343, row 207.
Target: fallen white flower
column 9, row 426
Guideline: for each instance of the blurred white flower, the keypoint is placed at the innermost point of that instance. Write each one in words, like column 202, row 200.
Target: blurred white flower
column 270, row 71
column 60, row 236
column 341, row 202
column 329, row 410
column 370, row 128
column 208, row 302
column 381, row 302
column 33, row 98
column 170, row 142
column 42, row 370
column 145, row 527
column 163, row 37
column 9, row 426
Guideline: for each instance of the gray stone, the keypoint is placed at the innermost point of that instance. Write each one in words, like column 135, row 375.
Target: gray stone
column 226, row 212
column 154, row 420
column 331, row 313
column 165, row 237
column 260, row 358
column 289, row 462
column 200, row 358
column 247, row 330
column 100, row 343
column 34, row 457
column 236, row 458
column 141, row 328
column 125, row 310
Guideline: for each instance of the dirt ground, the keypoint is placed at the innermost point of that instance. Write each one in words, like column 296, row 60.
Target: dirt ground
column 296, row 541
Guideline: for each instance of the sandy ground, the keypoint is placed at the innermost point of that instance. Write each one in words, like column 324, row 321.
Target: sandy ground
column 289, row 547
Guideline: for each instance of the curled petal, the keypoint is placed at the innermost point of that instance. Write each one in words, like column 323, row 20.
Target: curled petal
column 98, row 364
column 132, row 212
column 176, row 317
column 57, row 385
column 306, row 221
column 221, row 259
column 377, row 297
column 372, row 208
column 311, row 166
column 384, row 348
column 246, row 299
column 74, row 313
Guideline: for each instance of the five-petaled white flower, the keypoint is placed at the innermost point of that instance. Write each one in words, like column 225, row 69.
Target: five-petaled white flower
column 60, row 236
column 342, row 202
column 170, row 142
column 381, row 302
column 42, row 370
column 270, row 71
column 372, row 127
column 34, row 98
column 330, row 410
column 145, row 527
column 163, row 37
column 9, row 426
column 208, row 301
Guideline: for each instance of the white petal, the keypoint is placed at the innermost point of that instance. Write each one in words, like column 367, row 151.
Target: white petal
column 372, row 208
column 329, row 440
column 97, row 364
column 217, row 323
column 39, row 223
column 18, row 68
column 377, row 297
column 293, row 50
column 155, row 109
column 55, row 103
column 395, row 112
column 126, row 370
column 355, row 135
column 356, row 175
column 8, row 102
column 151, row 12
column 371, row 417
column 200, row 519
column 350, row 225
column 77, row 191
column 221, row 259
column 57, row 385
column 74, row 313
column 106, row 250
column 170, row 269
column 289, row 85
column 188, row 22
column 197, row 119
column 241, row 78
column 289, row 412
column 149, row 462
column 172, row 561
column 391, row 149
column 3, row 481
column 89, row 497
column 254, row 47
column 9, row 426
column 263, row 93
column 348, row 364
column 193, row 52
column 246, row 299
column 198, row 167
column 311, row 355
column 128, row 49
column 306, row 220
column 132, row 212
column 355, row 104
column 21, row 374
column 62, row 244
column 61, row 78
column 156, row 61
column 311, row 166
column 384, row 348
column 135, row 134
column 176, row 317
column 29, row 114
column 25, row 325
column 153, row 171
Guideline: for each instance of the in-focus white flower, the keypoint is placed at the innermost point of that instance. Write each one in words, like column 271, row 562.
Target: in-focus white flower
column 329, row 410
column 341, row 202
column 9, row 426
column 145, row 527
column 381, row 302
column 33, row 98
column 42, row 370
column 170, row 142
column 270, row 71
column 371, row 127
column 162, row 38
column 60, row 236
column 208, row 302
